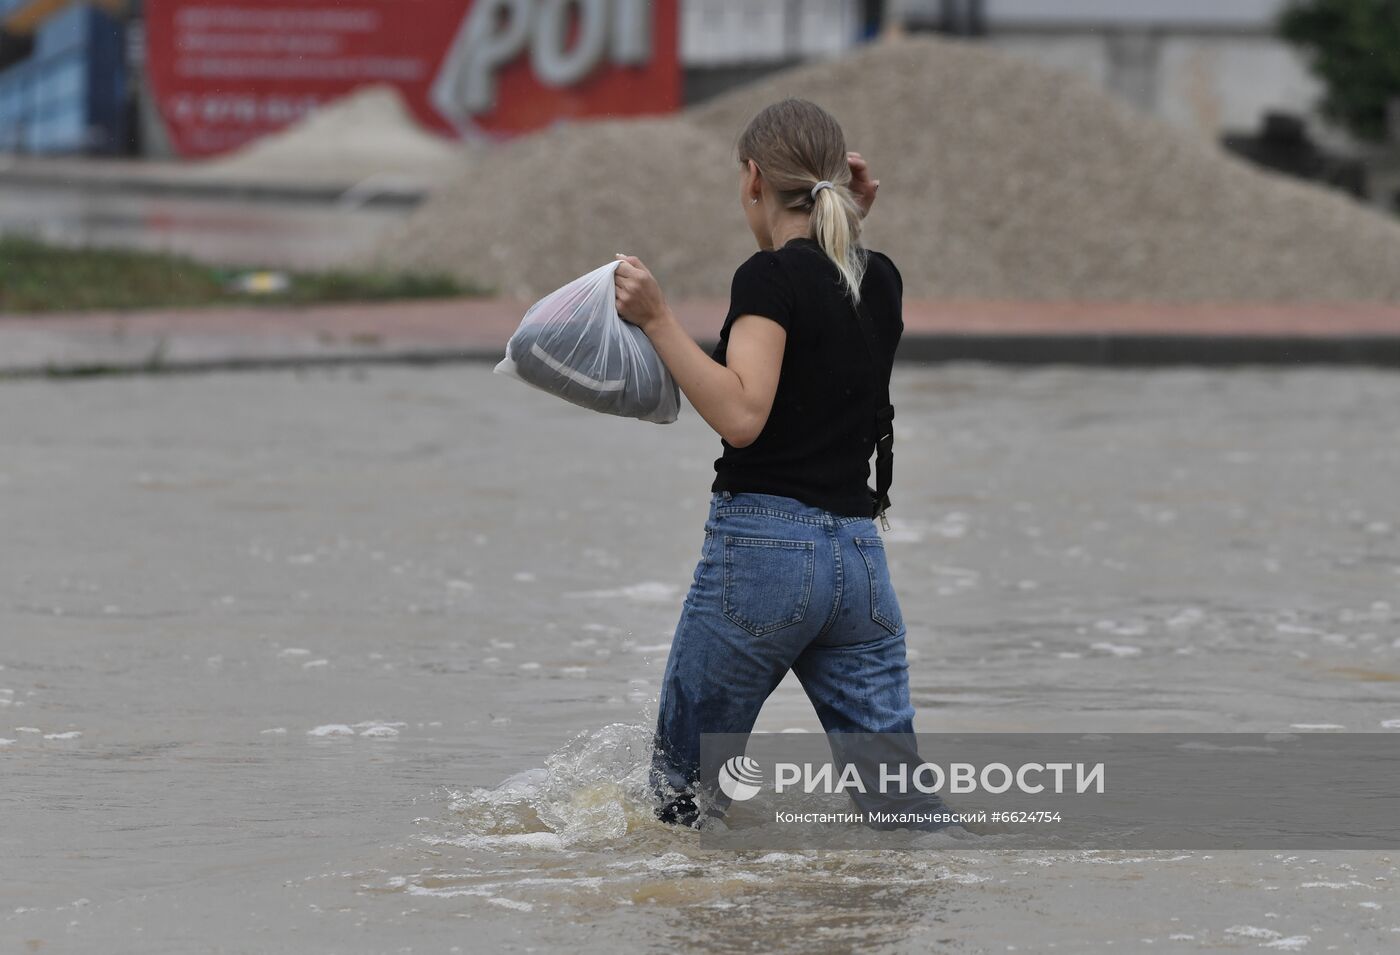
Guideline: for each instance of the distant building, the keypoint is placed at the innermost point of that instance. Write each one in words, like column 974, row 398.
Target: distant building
column 63, row 77
column 1208, row 65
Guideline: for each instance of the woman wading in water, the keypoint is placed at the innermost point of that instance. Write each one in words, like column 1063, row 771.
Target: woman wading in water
column 792, row 574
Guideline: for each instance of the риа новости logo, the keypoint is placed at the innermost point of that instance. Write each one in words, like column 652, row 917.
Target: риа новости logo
column 739, row 778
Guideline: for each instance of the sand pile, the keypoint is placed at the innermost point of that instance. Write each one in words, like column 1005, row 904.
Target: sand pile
column 1000, row 179
column 369, row 132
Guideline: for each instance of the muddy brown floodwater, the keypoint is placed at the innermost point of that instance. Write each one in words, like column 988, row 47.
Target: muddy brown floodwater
column 365, row 660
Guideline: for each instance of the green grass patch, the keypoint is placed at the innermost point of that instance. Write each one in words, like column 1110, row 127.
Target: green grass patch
column 38, row 277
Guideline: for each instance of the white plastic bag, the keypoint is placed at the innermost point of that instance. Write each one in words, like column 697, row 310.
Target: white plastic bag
column 572, row 343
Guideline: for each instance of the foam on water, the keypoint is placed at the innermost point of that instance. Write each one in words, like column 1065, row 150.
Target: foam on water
column 1116, row 649
column 512, row 904
column 538, row 841
column 648, row 591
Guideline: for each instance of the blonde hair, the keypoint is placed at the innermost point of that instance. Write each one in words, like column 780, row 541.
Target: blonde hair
column 796, row 144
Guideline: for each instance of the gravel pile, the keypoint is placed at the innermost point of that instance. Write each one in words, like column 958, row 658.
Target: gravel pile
column 369, row 132
column 1000, row 179
column 538, row 211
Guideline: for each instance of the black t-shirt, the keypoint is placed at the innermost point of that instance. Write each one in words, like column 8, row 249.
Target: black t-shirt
column 817, row 443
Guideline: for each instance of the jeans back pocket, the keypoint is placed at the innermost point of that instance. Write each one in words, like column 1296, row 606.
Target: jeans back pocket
column 884, row 606
column 767, row 582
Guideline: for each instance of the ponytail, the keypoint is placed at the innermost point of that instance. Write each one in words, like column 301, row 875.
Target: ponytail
column 802, row 152
column 835, row 225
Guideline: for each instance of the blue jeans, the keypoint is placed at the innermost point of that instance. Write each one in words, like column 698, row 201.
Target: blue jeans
column 780, row 586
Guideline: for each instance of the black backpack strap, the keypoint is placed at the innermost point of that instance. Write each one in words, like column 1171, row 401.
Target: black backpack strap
column 884, row 421
column 884, row 462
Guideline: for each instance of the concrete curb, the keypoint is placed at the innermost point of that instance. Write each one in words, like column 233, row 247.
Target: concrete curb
column 476, row 329
column 1150, row 350
column 195, row 366
column 388, row 196
column 1097, row 350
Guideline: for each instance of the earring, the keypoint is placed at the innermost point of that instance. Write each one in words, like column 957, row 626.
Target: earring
column 753, row 202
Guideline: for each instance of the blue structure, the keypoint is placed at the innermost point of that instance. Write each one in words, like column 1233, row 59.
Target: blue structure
column 68, row 95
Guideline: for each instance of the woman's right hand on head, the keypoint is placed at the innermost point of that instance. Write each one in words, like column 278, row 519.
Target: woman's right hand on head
column 862, row 187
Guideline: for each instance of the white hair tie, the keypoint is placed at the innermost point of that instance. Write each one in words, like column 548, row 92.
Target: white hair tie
column 824, row 184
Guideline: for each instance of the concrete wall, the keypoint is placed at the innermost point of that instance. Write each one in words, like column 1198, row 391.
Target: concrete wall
column 1208, row 83
column 723, row 33
column 1169, row 14
column 1226, row 83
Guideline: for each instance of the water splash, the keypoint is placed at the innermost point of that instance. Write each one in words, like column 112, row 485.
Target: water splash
column 594, row 789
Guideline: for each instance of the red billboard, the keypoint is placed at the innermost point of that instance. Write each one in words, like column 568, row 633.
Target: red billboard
column 224, row 72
